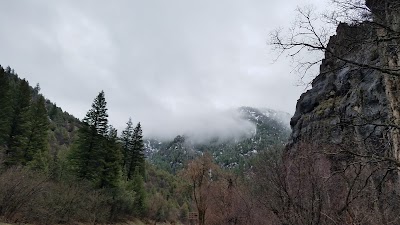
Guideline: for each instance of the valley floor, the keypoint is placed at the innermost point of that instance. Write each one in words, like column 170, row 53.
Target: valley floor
column 136, row 222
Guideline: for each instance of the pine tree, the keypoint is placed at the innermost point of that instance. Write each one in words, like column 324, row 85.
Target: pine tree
column 17, row 142
column 137, row 156
column 140, row 194
column 5, row 108
column 96, row 118
column 37, row 148
column 23, row 121
column 8, row 70
column 127, row 145
column 86, row 156
column 111, row 168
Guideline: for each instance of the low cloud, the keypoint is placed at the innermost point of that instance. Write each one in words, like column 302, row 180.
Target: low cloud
column 200, row 125
column 177, row 66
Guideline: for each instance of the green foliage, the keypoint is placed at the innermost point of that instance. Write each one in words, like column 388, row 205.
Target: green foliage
column 173, row 155
column 17, row 121
column 235, row 154
column 140, row 194
column 20, row 124
column 96, row 117
column 127, row 146
column 96, row 156
column 5, row 106
column 23, row 122
column 71, row 171
column 85, row 155
column 63, row 129
column 133, row 150
column 111, row 160
column 167, row 194
column 122, row 201
column 136, row 161
column 37, row 148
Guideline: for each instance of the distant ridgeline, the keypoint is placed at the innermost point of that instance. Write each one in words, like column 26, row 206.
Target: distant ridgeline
column 30, row 122
column 271, row 130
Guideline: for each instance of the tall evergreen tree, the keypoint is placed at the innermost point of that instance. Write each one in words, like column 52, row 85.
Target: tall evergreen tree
column 86, row 157
column 136, row 161
column 17, row 142
column 8, row 70
column 5, row 108
column 37, row 148
column 127, row 145
column 139, row 205
column 111, row 168
column 97, row 116
column 23, row 120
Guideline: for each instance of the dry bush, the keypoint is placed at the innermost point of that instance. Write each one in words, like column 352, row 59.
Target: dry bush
column 290, row 192
column 219, row 196
column 326, row 185
column 69, row 202
column 26, row 196
column 19, row 189
column 161, row 209
column 230, row 203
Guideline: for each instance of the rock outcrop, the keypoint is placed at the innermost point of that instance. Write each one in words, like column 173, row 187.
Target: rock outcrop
column 346, row 127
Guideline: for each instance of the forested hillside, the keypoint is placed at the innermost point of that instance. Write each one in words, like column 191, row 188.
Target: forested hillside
column 271, row 130
column 49, row 160
column 28, row 119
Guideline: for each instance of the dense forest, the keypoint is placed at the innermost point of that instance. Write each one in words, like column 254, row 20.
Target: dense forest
column 50, row 159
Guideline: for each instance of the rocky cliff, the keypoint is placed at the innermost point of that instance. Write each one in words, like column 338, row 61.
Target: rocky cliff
column 345, row 131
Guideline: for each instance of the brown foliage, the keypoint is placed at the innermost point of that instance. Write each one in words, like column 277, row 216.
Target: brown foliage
column 230, row 203
column 323, row 185
column 26, row 196
column 200, row 174
column 218, row 197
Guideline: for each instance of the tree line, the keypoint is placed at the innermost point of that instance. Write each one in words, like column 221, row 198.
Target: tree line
column 111, row 164
column 102, row 157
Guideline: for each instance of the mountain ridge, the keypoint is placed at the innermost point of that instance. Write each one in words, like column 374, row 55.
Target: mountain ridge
column 271, row 130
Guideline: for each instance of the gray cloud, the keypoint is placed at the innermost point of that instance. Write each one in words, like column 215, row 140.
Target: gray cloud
column 176, row 66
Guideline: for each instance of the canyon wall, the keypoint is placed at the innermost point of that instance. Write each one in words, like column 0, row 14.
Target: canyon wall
column 345, row 141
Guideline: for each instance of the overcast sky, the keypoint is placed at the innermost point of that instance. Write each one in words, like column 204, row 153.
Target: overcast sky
column 174, row 65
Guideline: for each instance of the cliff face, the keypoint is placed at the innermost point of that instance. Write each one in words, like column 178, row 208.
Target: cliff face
column 342, row 92
column 346, row 127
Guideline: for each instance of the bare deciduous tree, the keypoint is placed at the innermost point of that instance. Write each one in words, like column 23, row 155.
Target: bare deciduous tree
column 199, row 173
column 311, row 32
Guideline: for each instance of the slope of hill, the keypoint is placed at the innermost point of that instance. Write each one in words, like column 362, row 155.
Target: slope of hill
column 271, row 129
column 21, row 108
